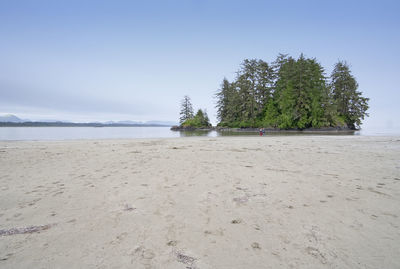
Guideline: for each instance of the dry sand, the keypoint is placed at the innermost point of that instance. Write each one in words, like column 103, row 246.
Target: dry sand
column 227, row 202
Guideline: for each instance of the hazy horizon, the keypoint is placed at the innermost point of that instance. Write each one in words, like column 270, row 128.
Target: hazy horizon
column 126, row 60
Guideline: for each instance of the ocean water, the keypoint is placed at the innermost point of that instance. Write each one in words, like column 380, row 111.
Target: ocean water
column 71, row 133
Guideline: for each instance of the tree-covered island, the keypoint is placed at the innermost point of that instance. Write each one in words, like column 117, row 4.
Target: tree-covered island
column 188, row 120
column 285, row 94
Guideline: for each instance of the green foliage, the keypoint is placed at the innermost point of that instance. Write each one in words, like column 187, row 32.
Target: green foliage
column 271, row 114
column 242, row 102
column 286, row 105
column 228, row 103
column 200, row 120
column 351, row 106
column 290, row 94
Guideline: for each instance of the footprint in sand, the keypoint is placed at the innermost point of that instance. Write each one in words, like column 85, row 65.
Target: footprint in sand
column 146, row 256
column 377, row 192
column 241, row 200
column 186, row 259
column 316, row 253
column 218, row 232
column 31, row 203
column 6, row 257
column 236, row 221
column 119, row 238
column 390, row 214
column 256, row 227
column 172, row 243
column 58, row 193
column 128, row 207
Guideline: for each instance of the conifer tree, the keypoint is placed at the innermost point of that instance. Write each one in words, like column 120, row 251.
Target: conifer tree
column 200, row 120
column 271, row 114
column 264, row 86
column 186, row 109
column 228, row 104
column 223, row 101
column 290, row 93
column 351, row 106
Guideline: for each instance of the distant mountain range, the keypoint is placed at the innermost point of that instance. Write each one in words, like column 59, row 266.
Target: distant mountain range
column 12, row 120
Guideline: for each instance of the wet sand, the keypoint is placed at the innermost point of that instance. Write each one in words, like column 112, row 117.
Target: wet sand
column 226, row 202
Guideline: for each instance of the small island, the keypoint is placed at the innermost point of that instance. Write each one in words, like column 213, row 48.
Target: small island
column 190, row 121
column 286, row 95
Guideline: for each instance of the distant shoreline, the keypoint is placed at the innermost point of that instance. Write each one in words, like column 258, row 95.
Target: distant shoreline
column 74, row 124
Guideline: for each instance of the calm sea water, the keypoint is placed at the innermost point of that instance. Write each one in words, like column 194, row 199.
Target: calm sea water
column 69, row 133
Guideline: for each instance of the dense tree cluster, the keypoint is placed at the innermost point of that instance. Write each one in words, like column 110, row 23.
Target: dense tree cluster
column 188, row 119
column 290, row 94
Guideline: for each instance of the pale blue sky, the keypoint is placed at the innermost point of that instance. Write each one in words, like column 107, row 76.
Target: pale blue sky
column 119, row 60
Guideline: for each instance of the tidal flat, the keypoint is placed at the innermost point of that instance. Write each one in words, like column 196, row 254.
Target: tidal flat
column 201, row 202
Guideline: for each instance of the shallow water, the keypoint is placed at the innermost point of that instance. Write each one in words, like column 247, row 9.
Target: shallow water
column 70, row 133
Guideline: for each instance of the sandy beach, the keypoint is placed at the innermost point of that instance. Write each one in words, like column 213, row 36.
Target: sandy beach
column 198, row 202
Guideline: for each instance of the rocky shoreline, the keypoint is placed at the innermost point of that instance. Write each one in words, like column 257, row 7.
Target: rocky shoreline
column 247, row 130
column 190, row 128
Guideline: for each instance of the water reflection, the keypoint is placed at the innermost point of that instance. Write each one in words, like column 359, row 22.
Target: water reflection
column 65, row 133
column 198, row 133
column 215, row 133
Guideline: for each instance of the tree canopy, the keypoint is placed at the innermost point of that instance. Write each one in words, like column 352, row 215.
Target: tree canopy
column 351, row 106
column 200, row 120
column 290, row 94
column 188, row 119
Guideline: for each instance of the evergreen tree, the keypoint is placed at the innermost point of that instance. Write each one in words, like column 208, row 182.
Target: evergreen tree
column 302, row 85
column 271, row 114
column 206, row 119
column 351, row 106
column 288, row 94
column 200, row 120
column 264, row 86
column 223, row 100
column 286, row 105
column 284, row 95
column 228, row 104
column 254, row 87
column 246, row 82
column 186, row 109
column 321, row 110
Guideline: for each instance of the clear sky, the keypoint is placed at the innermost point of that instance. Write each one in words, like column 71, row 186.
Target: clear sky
column 135, row 60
